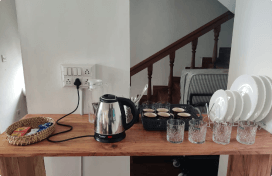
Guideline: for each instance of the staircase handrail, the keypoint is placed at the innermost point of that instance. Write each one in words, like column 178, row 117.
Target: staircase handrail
column 181, row 42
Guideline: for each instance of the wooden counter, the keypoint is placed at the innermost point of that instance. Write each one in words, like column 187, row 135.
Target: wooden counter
column 137, row 143
column 244, row 160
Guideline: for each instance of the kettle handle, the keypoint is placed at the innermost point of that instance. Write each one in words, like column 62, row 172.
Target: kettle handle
column 129, row 103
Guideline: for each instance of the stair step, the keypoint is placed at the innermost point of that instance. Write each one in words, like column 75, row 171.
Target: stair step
column 144, row 98
column 207, row 62
column 176, row 93
column 160, row 93
column 224, row 58
column 176, row 79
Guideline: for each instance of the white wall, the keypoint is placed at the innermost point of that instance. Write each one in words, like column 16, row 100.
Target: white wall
column 157, row 23
column 107, row 166
column 251, row 45
column 11, row 72
column 56, row 32
column 252, row 42
column 230, row 4
column 223, row 165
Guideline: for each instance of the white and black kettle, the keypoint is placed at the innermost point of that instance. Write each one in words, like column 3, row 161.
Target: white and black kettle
column 110, row 122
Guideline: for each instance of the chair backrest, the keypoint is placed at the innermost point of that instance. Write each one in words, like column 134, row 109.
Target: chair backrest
column 206, row 85
column 198, row 85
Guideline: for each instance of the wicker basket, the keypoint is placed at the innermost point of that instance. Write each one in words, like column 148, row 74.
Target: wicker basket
column 33, row 123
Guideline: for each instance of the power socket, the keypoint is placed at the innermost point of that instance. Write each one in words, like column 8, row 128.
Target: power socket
column 84, row 81
column 85, row 72
column 68, row 81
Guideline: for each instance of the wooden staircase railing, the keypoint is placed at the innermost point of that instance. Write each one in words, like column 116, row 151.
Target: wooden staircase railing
column 171, row 49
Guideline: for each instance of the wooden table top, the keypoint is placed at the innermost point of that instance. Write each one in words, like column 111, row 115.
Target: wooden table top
column 138, row 142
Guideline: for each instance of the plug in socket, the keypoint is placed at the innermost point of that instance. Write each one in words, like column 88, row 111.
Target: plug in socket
column 81, row 80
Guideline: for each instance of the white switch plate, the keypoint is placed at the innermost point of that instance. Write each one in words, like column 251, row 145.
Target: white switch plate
column 87, row 72
column 4, row 59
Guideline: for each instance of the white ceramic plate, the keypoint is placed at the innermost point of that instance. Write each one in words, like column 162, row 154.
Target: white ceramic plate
column 231, row 105
column 261, row 98
column 218, row 105
column 239, row 106
column 268, row 100
column 247, row 87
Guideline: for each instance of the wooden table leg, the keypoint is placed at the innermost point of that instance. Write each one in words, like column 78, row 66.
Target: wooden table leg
column 249, row 165
column 23, row 166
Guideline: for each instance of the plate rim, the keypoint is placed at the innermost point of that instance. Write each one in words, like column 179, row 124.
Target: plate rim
column 255, row 84
column 252, row 118
column 239, row 115
column 234, row 106
column 223, row 91
column 269, row 80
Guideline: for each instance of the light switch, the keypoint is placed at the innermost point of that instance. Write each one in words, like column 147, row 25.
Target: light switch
column 74, row 71
column 65, row 71
column 69, row 71
column 79, row 71
column 3, row 58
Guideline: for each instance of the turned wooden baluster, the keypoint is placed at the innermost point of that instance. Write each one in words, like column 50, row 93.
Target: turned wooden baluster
column 216, row 31
column 194, row 45
column 149, row 73
column 170, row 83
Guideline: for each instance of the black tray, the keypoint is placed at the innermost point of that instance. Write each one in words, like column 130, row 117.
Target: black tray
column 151, row 124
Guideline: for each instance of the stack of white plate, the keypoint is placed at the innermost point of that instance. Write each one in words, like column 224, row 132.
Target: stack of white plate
column 249, row 98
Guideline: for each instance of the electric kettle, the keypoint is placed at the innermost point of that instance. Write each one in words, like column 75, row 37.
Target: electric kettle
column 110, row 122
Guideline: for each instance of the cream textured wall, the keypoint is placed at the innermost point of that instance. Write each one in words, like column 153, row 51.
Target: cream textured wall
column 55, row 32
column 11, row 72
column 155, row 24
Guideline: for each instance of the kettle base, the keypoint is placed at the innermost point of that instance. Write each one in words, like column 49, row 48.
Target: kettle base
column 109, row 138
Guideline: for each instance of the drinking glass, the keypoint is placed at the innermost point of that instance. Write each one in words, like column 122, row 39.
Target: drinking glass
column 222, row 132
column 128, row 113
column 246, row 132
column 92, row 107
column 197, row 131
column 175, row 131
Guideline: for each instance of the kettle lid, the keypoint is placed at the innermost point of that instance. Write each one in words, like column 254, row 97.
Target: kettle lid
column 108, row 98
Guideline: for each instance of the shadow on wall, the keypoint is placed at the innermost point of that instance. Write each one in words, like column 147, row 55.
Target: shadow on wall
column 117, row 84
column 21, row 107
column 19, row 112
column 117, row 79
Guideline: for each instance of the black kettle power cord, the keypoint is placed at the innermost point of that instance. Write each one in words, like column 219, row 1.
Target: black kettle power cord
column 77, row 83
